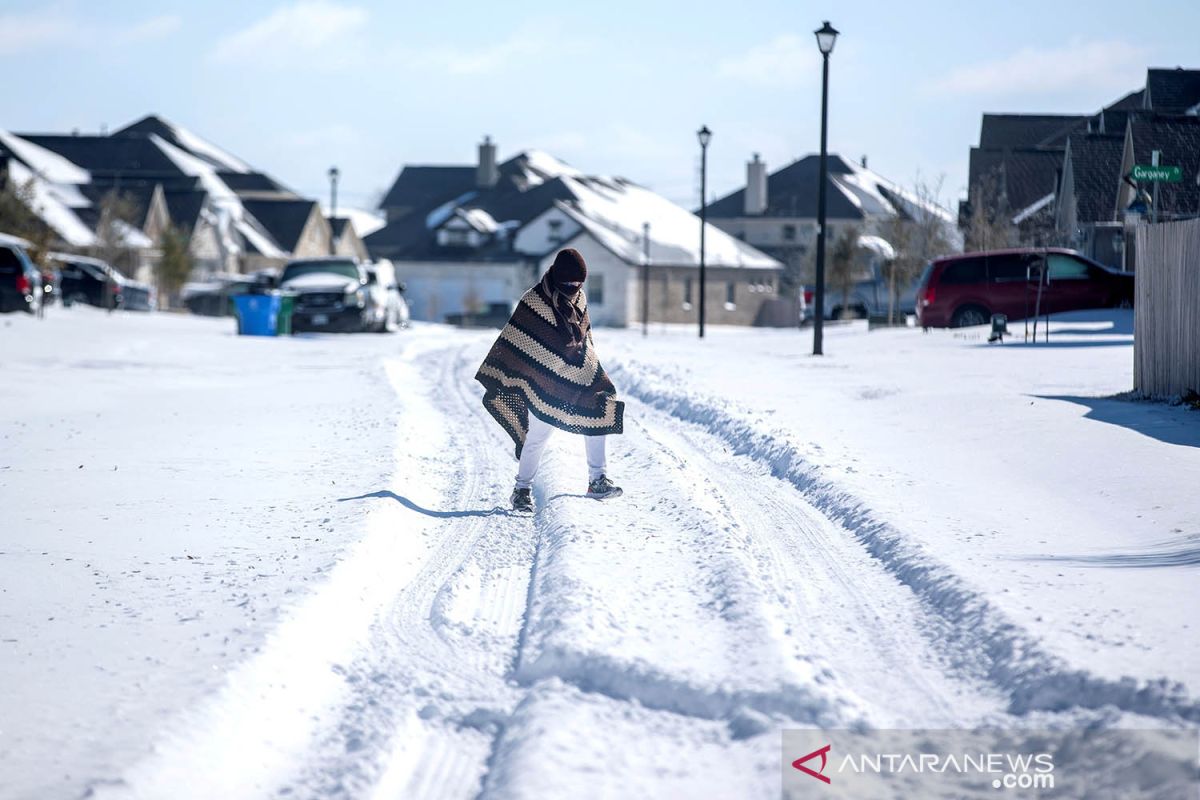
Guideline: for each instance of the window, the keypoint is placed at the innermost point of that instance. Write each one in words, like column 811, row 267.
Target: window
column 456, row 237
column 730, row 295
column 789, row 233
column 1065, row 268
column 967, row 270
column 1007, row 269
column 687, row 294
column 595, row 290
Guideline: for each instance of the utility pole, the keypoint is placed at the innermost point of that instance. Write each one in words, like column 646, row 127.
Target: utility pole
column 333, row 181
column 645, row 278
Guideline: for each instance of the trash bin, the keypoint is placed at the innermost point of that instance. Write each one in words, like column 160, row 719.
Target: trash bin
column 287, row 304
column 257, row 314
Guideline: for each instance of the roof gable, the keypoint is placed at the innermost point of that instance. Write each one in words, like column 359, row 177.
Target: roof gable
column 1096, row 175
column 1028, row 130
column 285, row 220
column 1172, row 90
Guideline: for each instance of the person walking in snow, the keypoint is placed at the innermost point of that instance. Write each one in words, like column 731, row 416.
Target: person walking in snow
column 542, row 373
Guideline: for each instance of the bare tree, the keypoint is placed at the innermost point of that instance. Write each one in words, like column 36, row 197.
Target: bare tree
column 19, row 217
column 989, row 225
column 175, row 264
column 118, row 218
column 918, row 234
column 841, row 266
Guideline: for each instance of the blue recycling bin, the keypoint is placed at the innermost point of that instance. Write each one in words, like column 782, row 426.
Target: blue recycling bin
column 257, row 314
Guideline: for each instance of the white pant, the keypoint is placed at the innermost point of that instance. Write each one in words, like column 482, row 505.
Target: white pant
column 535, row 443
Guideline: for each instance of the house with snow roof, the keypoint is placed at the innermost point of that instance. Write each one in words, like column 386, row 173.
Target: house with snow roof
column 777, row 213
column 238, row 219
column 465, row 238
column 1059, row 178
column 346, row 240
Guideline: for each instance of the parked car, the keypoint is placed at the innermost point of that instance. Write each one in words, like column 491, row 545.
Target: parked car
column 388, row 292
column 869, row 294
column 90, row 281
column 135, row 295
column 333, row 294
column 496, row 315
column 50, row 291
column 961, row 290
column 215, row 298
column 867, row 298
column 20, row 281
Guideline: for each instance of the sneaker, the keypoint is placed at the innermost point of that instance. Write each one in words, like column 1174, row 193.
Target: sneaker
column 522, row 500
column 602, row 488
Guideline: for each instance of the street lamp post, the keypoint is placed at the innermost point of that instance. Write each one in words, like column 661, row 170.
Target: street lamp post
column 705, row 136
column 645, row 278
column 826, row 37
column 333, row 179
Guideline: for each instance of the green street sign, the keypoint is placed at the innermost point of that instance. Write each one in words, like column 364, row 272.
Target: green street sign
column 1143, row 172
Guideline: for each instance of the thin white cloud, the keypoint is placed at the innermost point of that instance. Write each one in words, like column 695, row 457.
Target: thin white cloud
column 786, row 60
column 529, row 42
column 1100, row 65
column 36, row 30
column 153, row 28
column 338, row 135
column 295, row 31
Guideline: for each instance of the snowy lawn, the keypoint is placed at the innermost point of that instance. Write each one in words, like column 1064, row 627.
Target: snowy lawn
column 1014, row 466
column 292, row 558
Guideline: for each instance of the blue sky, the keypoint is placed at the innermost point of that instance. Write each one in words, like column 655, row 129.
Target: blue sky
column 613, row 88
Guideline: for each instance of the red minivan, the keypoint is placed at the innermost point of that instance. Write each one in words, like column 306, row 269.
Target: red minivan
column 961, row 290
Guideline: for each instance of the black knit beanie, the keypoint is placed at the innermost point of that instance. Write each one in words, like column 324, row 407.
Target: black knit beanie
column 568, row 267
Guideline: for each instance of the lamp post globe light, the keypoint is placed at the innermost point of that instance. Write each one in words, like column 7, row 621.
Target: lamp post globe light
column 333, row 179
column 826, row 39
column 705, row 136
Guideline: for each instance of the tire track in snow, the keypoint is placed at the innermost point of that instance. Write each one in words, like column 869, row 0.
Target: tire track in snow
column 829, row 595
column 977, row 635
column 430, row 688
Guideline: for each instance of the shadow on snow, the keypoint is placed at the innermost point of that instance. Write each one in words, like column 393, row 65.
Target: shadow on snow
column 1178, row 426
column 386, row 494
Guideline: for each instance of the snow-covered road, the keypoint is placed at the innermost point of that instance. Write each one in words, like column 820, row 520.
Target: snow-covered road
column 593, row 650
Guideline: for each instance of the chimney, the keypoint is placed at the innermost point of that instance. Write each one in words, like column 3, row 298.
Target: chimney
column 864, row 162
column 756, row 187
column 486, row 174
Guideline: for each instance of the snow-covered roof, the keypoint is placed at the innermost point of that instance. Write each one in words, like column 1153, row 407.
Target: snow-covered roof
column 435, row 218
column 47, row 164
column 365, row 222
column 538, row 166
column 231, row 214
column 478, row 219
column 50, row 204
column 1033, row 208
column 614, row 211
column 878, row 245
column 196, row 145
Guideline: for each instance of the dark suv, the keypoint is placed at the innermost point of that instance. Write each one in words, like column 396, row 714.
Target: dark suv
column 20, row 281
column 332, row 294
column 957, row 291
column 83, row 279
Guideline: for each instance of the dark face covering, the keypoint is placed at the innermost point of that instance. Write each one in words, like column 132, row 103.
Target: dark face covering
column 564, row 300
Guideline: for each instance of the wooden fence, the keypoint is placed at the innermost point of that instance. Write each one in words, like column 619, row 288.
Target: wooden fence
column 1166, row 345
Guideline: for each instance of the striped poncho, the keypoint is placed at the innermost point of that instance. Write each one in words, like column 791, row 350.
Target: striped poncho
column 531, row 369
